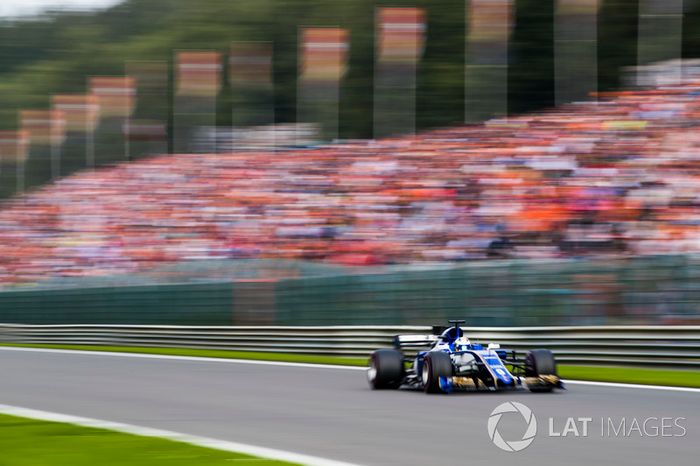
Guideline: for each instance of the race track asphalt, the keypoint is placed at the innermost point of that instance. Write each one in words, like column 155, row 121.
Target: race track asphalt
column 331, row 413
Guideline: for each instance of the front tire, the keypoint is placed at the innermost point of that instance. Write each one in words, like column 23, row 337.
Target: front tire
column 538, row 363
column 386, row 371
column 435, row 365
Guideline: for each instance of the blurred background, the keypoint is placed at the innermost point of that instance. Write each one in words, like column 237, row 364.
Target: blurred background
column 529, row 162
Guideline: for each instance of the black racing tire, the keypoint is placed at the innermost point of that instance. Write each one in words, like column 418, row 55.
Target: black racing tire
column 386, row 370
column 540, row 362
column 436, row 364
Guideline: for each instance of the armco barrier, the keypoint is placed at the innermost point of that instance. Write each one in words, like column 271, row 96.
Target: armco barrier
column 677, row 346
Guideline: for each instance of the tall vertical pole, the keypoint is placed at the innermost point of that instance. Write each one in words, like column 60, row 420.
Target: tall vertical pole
column 486, row 72
column 400, row 33
column 575, row 50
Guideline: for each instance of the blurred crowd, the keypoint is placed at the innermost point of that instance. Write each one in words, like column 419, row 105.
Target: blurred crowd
column 618, row 176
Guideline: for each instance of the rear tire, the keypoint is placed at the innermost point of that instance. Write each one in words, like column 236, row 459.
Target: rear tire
column 435, row 365
column 538, row 363
column 386, row 371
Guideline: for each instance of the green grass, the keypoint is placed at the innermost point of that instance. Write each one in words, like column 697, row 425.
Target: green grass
column 671, row 377
column 30, row 442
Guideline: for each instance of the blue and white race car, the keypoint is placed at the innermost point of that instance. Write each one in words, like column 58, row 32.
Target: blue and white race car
column 452, row 363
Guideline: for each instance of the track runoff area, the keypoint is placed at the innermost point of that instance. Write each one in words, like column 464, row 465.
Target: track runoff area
column 326, row 415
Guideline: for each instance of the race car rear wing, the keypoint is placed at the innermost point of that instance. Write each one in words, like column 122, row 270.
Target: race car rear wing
column 420, row 342
column 414, row 341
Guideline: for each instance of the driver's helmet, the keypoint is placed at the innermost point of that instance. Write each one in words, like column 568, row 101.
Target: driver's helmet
column 462, row 341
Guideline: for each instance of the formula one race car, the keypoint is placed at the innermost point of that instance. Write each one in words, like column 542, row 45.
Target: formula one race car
column 454, row 363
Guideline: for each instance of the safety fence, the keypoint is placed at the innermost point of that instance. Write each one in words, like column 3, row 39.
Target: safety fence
column 653, row 346
column 181, row 304
column 662, row 290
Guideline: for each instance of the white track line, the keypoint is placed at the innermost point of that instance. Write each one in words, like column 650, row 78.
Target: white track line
column 181, row 358
column 302, row 364
column 633, row 385
column 205, row 442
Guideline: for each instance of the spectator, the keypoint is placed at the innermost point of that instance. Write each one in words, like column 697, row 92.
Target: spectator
column 615, row 177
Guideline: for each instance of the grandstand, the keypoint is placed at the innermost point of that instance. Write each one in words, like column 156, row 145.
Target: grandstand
column 614, row 177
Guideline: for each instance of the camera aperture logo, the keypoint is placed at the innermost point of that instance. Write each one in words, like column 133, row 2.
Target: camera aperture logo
column 579, row 427
column 528, row 418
